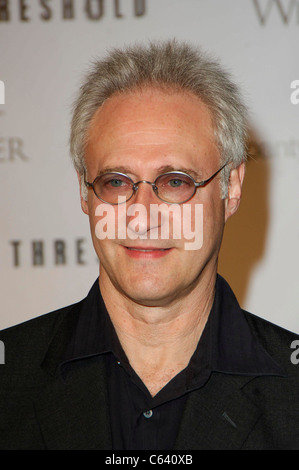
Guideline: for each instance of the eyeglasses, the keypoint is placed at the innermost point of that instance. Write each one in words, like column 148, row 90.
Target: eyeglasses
column 173, row 187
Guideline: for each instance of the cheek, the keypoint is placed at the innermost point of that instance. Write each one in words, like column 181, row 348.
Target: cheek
column 92, row 218
column 192, row 227
column 97, row 222
column 213, row 221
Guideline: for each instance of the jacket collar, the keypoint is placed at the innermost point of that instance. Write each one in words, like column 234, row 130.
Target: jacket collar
column 235, row 348
column 73, row 413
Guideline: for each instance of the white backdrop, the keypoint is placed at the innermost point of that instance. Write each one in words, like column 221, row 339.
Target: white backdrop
column 46, row 257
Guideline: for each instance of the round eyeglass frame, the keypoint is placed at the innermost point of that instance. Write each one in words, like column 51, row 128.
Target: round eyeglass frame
column 135, row 186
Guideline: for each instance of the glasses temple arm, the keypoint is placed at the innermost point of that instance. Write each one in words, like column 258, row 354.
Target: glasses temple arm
column 203, row 183
column 90, row 185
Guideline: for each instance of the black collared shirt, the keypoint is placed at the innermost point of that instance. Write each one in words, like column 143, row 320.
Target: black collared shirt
column 138, row 420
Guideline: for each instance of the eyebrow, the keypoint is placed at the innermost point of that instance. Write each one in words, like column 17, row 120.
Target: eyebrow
column 160, row 170
column 115, row 169
column 189, row 171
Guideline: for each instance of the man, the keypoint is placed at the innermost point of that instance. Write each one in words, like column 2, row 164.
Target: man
column 159, row 355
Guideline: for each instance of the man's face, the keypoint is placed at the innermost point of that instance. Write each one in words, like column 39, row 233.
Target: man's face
column 137, row 134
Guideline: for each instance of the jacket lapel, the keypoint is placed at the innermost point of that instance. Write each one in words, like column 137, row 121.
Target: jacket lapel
column 73, row 414
column 218, row 416
column 72, row 410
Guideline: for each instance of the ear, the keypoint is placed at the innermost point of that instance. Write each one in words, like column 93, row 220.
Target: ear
column 233, row 199
column 84, row 204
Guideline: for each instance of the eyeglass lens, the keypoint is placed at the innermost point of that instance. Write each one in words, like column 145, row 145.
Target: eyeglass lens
column 172, row 187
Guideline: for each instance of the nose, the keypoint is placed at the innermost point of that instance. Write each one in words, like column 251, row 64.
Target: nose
column 140, row 209
column 145, row 195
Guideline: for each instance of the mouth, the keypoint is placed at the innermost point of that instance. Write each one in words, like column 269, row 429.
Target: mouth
column 146, row 249
column 148, row 252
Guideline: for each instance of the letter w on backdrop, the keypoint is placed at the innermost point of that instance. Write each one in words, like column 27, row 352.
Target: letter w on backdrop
column 285, row 9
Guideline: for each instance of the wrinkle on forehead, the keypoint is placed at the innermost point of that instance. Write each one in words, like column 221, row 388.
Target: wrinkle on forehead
column 116, row 108
column 141, row 120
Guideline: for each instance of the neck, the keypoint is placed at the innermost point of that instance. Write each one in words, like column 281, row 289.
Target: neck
column 159, row 341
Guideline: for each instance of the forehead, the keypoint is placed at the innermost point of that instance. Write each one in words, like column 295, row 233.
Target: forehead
column 152, row 122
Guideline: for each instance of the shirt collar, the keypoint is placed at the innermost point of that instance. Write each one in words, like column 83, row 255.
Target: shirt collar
column 93, row 333
column 228, row 344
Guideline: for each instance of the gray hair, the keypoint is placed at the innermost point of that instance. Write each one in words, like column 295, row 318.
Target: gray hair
column 169, row 65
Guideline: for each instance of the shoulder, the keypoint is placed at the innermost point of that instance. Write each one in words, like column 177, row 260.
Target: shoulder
column 40, row 326
column 275, row 396
column 26, row 344
column 281, row 344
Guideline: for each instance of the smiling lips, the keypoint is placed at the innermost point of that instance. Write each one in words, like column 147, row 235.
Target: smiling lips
column 148, row 252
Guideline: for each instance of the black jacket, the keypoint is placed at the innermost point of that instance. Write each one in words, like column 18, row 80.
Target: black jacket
column 40, row 410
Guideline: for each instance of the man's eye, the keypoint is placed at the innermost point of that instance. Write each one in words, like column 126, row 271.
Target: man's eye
column 115, row 183
column 176, row 183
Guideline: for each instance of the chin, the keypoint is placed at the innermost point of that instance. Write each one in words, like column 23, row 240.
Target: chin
column 149, row 295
